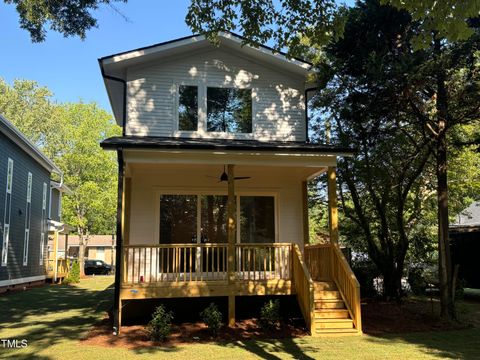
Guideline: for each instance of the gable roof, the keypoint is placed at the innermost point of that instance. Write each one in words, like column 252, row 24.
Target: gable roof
column 15, row 135
column 227, row 38
column 113, row 67
column 468, row 217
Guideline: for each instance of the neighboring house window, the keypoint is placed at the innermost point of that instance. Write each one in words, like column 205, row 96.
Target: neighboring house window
column 100, row 253
column 43, row 225
column 28, row 213
column 8, row 208
column 187, row 108
column 229, row 110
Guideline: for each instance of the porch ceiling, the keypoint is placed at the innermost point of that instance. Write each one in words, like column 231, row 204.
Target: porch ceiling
column 221, row 158
column 209, row 174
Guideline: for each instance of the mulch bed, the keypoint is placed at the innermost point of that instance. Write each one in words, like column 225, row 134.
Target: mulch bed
column 134, row 337
column 378, row 318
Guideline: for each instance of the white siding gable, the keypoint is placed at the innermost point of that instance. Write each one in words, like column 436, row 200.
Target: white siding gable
column 277, row 98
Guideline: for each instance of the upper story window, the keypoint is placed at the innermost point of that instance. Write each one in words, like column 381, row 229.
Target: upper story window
column 229, row 110
column 187, row 108
column 214, row 109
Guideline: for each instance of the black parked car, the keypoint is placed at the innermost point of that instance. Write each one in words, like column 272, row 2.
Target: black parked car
column 97, row 267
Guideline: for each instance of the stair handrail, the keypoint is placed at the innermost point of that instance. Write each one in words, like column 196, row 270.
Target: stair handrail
column 305, row 294
column 351, row 295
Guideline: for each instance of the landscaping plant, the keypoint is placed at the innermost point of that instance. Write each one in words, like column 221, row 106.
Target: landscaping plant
column 270, row 315
column 73, row 276
column 212, row 317
column 161, row 324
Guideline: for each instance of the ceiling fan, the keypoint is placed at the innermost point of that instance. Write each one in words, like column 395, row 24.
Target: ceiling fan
column 224, row 176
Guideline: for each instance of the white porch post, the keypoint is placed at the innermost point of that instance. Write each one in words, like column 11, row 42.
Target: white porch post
column 232, row 231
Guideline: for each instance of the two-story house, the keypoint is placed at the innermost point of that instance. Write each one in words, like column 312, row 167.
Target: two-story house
column 25, row 207
column 213, row 169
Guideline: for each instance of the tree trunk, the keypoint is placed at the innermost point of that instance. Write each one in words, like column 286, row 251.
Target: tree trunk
column 447, row 308
column 81, row 252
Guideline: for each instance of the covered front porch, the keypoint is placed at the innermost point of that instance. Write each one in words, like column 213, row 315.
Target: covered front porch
column 230, row 223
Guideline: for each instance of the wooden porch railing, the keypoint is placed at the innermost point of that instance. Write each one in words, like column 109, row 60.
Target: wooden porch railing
column 62, row 267
column 305, row 288
column 174, row 263
column 263, row 261
column 204, row 262
column 326, row 262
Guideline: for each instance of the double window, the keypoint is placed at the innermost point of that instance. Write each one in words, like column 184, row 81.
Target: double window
column 228, row 110
column 203, row 218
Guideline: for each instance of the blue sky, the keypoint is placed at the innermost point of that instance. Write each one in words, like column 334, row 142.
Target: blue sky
column 68, row 66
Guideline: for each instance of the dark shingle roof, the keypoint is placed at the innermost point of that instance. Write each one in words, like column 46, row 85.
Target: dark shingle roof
column 149, row 142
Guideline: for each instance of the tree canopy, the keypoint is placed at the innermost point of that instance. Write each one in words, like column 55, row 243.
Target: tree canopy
column 68, row 17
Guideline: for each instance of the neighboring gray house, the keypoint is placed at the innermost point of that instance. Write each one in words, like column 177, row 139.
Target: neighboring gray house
column 24, row 205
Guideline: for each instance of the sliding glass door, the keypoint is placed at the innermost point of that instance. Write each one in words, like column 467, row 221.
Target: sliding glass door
column 202, row 219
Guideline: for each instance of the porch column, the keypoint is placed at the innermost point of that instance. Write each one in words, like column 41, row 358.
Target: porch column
column 232, row 230
column 306, row 228
column 332, row 204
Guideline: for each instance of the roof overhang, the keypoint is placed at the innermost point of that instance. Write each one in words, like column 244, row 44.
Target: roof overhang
column 60, row 186
column 113, row 67
column 216, row 151
column 11, row 132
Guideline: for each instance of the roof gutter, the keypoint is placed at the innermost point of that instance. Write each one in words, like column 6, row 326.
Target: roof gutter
column 124, row 83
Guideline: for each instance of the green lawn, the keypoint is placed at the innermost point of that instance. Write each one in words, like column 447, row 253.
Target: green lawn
column 54, row 318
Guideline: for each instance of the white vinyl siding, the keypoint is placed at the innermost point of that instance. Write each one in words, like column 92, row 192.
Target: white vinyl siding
column 28, row 214
column 7, row 212
column 43, row 225
column 277, row 97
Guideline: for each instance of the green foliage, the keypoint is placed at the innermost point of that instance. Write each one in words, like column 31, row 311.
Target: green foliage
column 379, row 96
column 270, row 315
column 70, row 18
column 212, row 317
column 447, row 18
column 298, row 26
column 73, row 276
column 161, row 324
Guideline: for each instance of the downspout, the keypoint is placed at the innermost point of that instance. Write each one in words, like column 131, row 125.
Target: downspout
column 307, row 139
column 124, row 83
column 118, row 252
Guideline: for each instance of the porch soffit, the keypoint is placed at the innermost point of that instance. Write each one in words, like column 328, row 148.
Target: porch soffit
column 209, row 157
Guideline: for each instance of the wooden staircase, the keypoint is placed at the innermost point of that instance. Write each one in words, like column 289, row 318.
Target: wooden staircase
column 327, row 291
column 331, row 314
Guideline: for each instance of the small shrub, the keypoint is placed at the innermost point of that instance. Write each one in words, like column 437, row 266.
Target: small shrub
column 161, row 324
column 73, row 276
column 270, row 315
column 212, row 317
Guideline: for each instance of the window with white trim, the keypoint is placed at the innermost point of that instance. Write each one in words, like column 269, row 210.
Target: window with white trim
column 7, row 212
column 28, row 213
column 229, row 110
column 43, row 225
column 187, row 108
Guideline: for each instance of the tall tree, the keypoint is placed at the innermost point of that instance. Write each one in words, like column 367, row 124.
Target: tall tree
column 68, row 17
